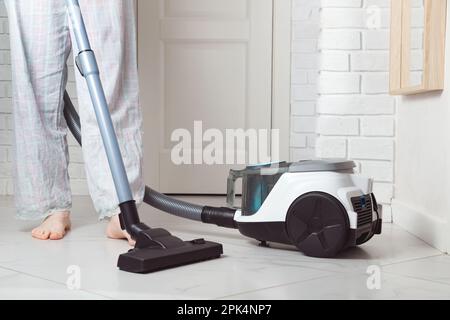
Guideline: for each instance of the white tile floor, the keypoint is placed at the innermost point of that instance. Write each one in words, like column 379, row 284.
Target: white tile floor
column 29, row 269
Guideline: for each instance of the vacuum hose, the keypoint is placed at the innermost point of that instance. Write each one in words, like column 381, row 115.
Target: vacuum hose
column 223, row 217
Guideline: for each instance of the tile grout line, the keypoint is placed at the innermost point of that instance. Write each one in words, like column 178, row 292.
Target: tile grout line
column 340, row 273
column 48, row 280
column 417, row 278
column 274, row 286
column 413, row 259
column 329, row 276
column 337, row 273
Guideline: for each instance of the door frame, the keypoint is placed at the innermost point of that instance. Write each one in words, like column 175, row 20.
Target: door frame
column 281, row 79
column 281, row 74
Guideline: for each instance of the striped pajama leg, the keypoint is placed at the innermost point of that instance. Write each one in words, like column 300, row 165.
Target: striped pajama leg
column 40, row 46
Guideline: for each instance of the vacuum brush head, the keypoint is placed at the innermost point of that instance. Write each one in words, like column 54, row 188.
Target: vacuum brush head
column 157, row 249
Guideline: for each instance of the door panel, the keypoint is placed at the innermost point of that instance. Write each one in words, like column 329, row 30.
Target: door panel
column 209, row 61
column 211, row 9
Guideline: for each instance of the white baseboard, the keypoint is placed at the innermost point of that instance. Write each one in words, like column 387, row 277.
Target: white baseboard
column 431, row 229
column 387, row 213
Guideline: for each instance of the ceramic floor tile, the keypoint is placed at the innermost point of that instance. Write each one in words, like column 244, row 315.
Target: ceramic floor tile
column 17, row 286
column 353, row 287
column 87, row 248
column 245, row 270
column 433, row 268
column 6, row 273
column 231, row 274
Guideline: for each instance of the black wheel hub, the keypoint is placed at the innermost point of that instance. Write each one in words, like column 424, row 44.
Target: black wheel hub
column 317, row 223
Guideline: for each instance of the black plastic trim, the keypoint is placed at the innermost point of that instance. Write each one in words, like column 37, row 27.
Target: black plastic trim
column 379, row 227
column 222, row 217
column 162, row 251
column 317, row 223
column 265, row 231
column 129, row 218
column 77, row 62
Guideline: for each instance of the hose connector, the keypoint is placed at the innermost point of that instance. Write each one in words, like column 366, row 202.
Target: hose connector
column 222, row 217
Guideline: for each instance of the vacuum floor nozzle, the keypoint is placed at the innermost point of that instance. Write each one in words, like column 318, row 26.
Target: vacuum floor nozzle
column 157, row 249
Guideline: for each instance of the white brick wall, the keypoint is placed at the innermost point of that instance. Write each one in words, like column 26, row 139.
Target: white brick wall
column 305, row 63
column 352, row 113
column 356, row 116
column 6, row 186
column 76, row 169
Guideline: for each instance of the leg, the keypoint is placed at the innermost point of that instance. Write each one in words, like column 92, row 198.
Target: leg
column 111, row 28
column 40, row 46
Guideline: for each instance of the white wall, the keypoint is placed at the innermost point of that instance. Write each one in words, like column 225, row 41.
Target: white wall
column 422, row 201
column 6, row 186
column 305, row 70
column 356, row 116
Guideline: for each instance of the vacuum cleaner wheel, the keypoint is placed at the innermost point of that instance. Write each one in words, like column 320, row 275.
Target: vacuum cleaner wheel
column 318, row 225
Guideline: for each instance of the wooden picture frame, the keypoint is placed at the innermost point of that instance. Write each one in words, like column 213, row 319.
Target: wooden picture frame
column 434, row 31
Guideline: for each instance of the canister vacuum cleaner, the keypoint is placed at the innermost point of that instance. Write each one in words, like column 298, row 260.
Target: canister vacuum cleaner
column 321, row 207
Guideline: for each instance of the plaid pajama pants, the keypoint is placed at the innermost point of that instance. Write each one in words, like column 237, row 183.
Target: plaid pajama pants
column 41, row 43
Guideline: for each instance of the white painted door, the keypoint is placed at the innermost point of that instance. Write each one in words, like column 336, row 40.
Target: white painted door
column 201, row 60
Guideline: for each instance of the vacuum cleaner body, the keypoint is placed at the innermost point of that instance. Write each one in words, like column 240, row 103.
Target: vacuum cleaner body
column 321, row 207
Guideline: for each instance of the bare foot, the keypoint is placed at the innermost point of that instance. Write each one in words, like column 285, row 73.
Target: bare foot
column 114, row 231
column 54, row 227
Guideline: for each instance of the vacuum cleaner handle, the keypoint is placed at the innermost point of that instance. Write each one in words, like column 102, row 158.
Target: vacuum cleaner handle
column 88, row 67
column 231, row 187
